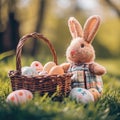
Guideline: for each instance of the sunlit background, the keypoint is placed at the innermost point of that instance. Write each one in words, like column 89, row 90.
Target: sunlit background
column 49, row 17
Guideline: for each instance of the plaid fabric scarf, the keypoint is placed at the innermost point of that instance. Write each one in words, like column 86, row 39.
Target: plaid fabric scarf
column 82, row 77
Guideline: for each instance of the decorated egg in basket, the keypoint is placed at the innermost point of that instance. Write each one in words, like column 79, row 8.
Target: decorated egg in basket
column 47, row 67
column 37, row 65
column 81, row 95
column 56, row 70
column 19, row 97
column 29, row 71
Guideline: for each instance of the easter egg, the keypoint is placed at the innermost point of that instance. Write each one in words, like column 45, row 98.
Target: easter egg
column 56, row 70
column 37, row 65
column 81, row 95
column 48, row 66
column 29, row 71
column 43, row 73
column 19, row 97
column 95, row 93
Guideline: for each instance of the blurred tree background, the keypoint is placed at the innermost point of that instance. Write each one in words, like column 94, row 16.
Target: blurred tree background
column 49, row 17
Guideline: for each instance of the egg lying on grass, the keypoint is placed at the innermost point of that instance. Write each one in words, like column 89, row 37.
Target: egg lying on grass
column 95, row 93
column 19, row 97
column 81, row 95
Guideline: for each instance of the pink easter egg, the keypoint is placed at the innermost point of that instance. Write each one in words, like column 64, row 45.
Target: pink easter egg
column 37, row 65
column 19, row 97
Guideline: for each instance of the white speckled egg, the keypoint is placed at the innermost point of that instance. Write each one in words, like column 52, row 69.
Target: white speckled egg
column 29, row 71
column 19, row 97
column 81, row 95
column 43, row 73
column 37, row 65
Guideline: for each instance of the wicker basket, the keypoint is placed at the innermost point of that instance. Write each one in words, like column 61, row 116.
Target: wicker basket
column 40, row 84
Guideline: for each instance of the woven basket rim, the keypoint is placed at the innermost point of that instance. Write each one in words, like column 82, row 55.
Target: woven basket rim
column 13, row 73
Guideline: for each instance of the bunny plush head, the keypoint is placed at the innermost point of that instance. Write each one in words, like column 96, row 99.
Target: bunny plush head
column 80, row 49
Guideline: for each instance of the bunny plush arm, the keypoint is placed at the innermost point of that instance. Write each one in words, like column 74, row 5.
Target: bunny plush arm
column 65, row 66
column 97, row 69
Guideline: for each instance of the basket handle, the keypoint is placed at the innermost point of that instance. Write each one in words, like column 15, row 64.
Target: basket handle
column 21, row 43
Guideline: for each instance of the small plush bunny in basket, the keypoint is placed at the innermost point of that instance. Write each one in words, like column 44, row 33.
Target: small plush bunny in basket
column 80, row 56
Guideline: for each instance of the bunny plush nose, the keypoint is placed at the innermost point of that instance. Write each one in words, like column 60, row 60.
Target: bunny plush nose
column 72, row 52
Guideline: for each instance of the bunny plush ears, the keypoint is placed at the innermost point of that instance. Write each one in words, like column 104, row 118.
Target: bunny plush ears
column 89, row 30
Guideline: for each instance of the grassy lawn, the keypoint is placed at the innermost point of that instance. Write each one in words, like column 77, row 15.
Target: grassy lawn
column 43, row 108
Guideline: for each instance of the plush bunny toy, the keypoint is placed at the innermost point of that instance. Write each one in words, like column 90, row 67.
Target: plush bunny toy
column 80, row 55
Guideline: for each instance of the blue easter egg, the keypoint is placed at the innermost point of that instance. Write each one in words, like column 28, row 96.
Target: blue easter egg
column 81, row 95
column 29, row 71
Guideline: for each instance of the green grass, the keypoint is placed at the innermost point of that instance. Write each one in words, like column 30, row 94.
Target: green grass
column 43, row 108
